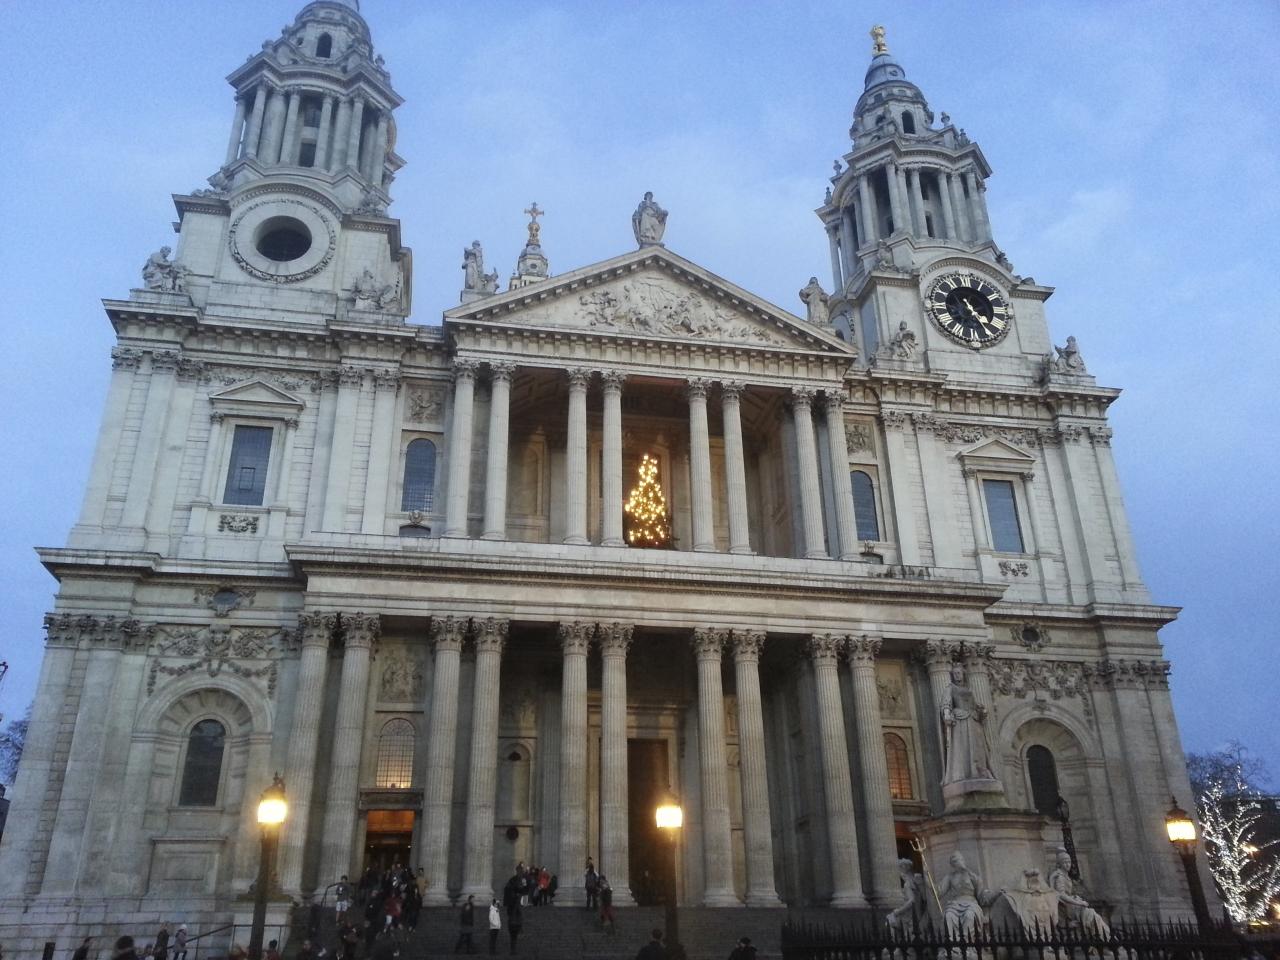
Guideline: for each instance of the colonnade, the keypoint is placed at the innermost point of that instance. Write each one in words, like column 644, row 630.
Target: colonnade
column 270, row 126
column 802, row 400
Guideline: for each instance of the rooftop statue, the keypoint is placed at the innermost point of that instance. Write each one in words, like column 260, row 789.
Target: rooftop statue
column 474, row 277
column 815, row 300
column 649, row 222
column 161, row 273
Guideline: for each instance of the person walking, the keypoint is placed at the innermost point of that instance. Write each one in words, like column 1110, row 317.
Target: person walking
column 82, row 951
column 654, row 949
column 466, row 926
column 515, row 923
column 180, row 943
column 342, row 894
column 162, row 942
column 606, row 906
column 744, row 950
column 591, row 882
column 495, row 926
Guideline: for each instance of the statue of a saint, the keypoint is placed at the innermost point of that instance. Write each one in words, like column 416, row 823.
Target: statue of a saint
column 161, row 273
column 959, row 893
column 649, row 222
column 472, row 266
column 1074, row 907
column 902, row 345
column 912, row 914
column 815, row 301
column 369, row 294
column 964, row 720
column 1068, row 359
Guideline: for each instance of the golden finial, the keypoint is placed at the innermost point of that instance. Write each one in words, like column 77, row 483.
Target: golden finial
column 534, row 227
column 877, row 36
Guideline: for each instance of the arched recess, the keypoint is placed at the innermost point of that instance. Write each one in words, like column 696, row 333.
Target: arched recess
column 515, row 783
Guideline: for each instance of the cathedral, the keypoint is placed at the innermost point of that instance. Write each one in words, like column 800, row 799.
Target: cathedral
column 488, row 587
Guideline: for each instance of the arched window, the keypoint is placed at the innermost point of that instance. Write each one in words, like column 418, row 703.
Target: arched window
column 324, row 46
column 908, row 122
column 419, row 475
column 202, row 768
column 395, row 754
column 899, row 763
column 1042, row 771
column 864, row 505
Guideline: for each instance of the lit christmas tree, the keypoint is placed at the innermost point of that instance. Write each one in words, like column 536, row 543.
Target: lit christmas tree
column 646, row 509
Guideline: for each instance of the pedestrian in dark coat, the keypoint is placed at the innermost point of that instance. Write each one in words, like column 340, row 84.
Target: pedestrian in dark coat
column 466, row 926
column 653, row 950
column 515, row 923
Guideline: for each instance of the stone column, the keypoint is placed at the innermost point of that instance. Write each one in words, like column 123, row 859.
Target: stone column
column 459, row 450
column 895, row 200
column 807, row 459
column 495, row 474
column 379, row 158
column 611, row 510
column 354, row 130
column 977, row 666
column 315, row 629
column 237, row 131
column 359, row 633
column 959, row 208
column 575, row 639
column 146, row 457
column 386, row 383
column 896, row 423
column 917, row 201
column 757, row 828
column 978, row 206
column 615, row 852
column 323, row 134
column 849, row 244
column 878, row 801
column 846, row 524
column 254, row 134
column 124, row 363
column 837, row 268
column 21, row 849
column 867, row 204
column 272, row 128
column 447, row 634
column 735, row 467
column 576, row 459
column 938, row 657
column 341, row 133
column 338, row 479
column 944, row 201
column 490, row 638
column 717, row 850
column 700, row 466
column 288, row 153
column 842, row 831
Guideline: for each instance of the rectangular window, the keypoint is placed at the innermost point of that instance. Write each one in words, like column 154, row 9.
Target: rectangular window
column 247, row 472
column 1002, row 514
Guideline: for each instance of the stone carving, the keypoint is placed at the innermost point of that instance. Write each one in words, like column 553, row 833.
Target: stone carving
column 959, row 893
column 968, row 746
column 1042, row 680
column 315, row 265
column 1100, row 436
column 518, row 709
column 222, row 600
column 747, row 644
column 288, row 384
column 652, row 307
column 1074, row 908
column 1110, row 674
column 124, row 633
column 614, row 638
column 901, row 346
column 913, row 913
column 1030, row 635
column 237, row 523
column 161, row 273
column 371, row 204
column 447, row 633
column 1068, row 359
column 490, row 634
column 125, row 358
column 217, row 648
column 649, row 222
column 890, row 692
column 369, row 293
column 1035, row 906
column 708, row 643
column 575, row 637
column 857, row 436
column 474, row 279
column 899, row 571
column 360, row 629
column 401, row 679
column 316, row 629
column 1014, row 568
column 426, row 404
column 825, row 646
column 815, row 300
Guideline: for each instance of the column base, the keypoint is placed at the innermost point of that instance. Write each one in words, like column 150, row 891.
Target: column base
column 704, row 548
column 742, row 551
column 456, row 535
column 768, row 899
column 848, row 900
column 613, row 542
column 494, row 535
column 817, row 555
column 721, row 898
column 577, row 541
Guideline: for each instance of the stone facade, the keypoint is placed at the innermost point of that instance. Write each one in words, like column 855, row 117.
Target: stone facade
column 389, row 560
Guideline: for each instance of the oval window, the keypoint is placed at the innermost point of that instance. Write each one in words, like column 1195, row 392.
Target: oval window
column 283, row 239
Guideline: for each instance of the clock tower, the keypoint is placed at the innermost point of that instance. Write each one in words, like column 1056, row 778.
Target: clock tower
column 917, row 275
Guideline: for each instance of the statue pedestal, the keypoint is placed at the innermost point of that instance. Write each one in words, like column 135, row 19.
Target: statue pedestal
column 978, row 794
column 999, row 844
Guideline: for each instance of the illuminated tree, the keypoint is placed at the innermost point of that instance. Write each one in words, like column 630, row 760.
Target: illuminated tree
column 646, row 509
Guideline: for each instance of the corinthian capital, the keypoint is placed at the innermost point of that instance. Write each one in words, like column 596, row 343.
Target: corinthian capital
column 696, row 388
column 747, row 645
column 447, row 633
column 361, row 629
column 863, row 650
column 315, row 629
column 825, row 647
column 939, row 654
column 575, row 638
column 464, row 368
column 708, row 643
column 490, row 635
column 615, row 638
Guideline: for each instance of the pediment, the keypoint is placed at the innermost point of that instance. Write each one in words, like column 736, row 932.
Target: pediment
column 997, row 453
column 256, row 393
column 655, row 295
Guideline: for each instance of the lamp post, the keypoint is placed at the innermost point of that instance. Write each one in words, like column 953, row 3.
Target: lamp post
column 1063, row 810
column 670, row 818
column 272, row 811
column 1182, row 834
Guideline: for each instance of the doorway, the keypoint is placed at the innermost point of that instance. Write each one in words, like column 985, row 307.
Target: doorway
column 388, row 839
column 648, row 778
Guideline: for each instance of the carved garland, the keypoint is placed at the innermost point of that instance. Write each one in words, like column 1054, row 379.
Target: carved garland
column 248, row 267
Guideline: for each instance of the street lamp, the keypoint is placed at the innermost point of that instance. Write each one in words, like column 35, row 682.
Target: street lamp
column 1063, row 810
column 1182, row 834
column 272, row 810
column 670, row 819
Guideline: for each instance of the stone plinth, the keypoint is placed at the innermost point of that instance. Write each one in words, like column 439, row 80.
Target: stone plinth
column 979, row 794
column 997, row 844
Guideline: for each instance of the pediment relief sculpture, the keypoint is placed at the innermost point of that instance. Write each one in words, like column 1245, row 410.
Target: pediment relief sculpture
column 648, row 305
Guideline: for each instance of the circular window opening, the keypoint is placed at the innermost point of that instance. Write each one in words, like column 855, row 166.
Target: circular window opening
column 283, row 239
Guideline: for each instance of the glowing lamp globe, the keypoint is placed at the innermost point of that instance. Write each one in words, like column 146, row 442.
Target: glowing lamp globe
column 669, row 815
column 1180, row 827
column 272, row 808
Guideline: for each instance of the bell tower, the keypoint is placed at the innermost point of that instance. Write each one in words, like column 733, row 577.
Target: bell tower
column 906, row 219
column 300, row 200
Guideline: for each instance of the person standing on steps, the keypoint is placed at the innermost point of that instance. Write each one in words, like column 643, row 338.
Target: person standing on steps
column 606, row 906
column 342, row 895
column 591, row 882
column 744, row 950
column 495, row 926
column 515, row 923
column 466, row 926
column 653, row 950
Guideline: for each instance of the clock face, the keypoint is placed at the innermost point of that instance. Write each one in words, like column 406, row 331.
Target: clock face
column 969, row 309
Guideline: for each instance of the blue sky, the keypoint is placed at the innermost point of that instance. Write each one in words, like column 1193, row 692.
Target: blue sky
column 1136, row 162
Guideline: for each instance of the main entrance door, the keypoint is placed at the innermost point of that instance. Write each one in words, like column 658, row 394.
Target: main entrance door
column 648, row 779
column 388, row 839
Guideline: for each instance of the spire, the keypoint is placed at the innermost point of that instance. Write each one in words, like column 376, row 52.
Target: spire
column 532, row 267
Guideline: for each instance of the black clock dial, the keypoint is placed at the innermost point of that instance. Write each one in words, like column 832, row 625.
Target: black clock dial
column 969, row 309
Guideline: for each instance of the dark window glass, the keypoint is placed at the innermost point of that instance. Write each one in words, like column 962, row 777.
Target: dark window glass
column 203, row 766
column 1002, row 512
column 324, row 46
column 899, row 763
column 1043, row 774
column 247, row 474
column 864, row 506
column 419, row 475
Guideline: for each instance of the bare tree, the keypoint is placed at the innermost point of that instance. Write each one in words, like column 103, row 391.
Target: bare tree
column 12, row 740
